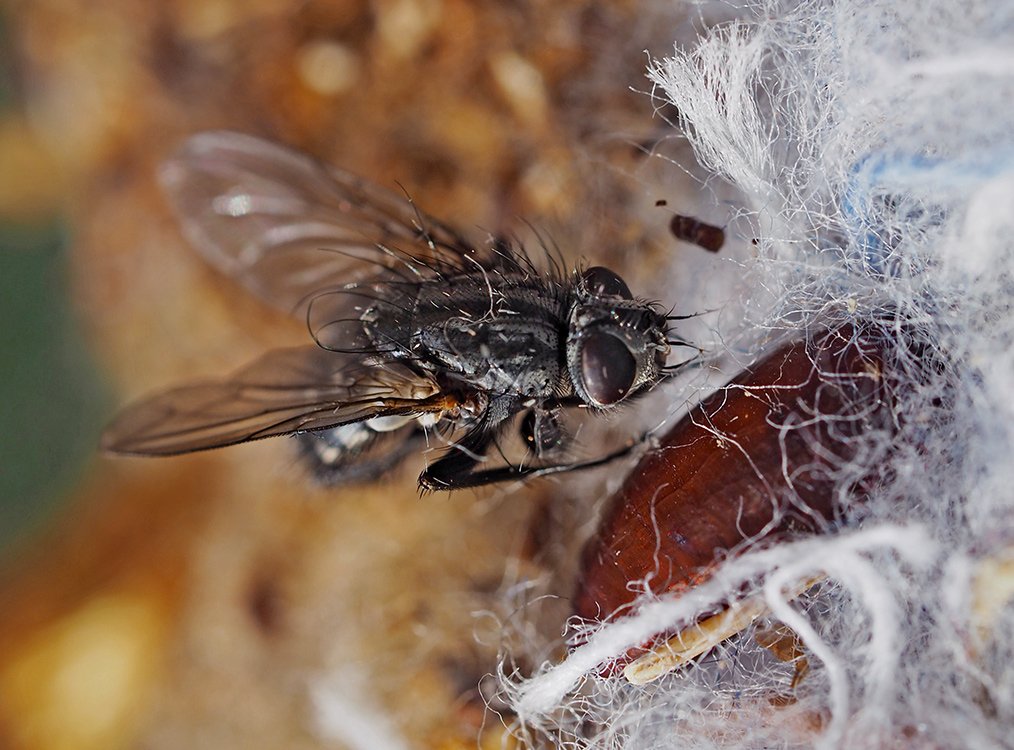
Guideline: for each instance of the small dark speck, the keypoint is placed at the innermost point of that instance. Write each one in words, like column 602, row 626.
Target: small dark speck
column 661, row 202
column 265, row 604
column 678, row 538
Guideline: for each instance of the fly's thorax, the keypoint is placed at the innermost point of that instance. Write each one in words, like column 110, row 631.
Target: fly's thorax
column 616, row 346
column 495, row 333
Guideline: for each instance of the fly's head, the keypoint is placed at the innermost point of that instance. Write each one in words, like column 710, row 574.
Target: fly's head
column 616, row 345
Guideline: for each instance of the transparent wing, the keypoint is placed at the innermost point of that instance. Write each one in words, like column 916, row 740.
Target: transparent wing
column 285, row 391
column 289, row 227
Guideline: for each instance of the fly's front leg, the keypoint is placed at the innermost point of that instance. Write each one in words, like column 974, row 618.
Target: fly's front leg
column 452, row 470
column 456, row 470
column 543, row 432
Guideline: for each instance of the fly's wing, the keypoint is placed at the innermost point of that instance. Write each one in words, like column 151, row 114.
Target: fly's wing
column 285, row 391
column 289, row 227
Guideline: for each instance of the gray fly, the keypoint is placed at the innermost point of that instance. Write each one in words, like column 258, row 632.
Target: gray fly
column 415, row 330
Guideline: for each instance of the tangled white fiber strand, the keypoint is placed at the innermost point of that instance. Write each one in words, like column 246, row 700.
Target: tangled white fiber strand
column 871, row 143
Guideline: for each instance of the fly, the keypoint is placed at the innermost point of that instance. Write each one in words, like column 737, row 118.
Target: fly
column 415, row 329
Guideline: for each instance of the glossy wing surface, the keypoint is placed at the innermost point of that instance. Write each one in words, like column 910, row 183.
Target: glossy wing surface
column 289, row 227
column 285, row 391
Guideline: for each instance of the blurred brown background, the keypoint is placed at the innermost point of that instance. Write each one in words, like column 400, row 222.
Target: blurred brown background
column 221, row 600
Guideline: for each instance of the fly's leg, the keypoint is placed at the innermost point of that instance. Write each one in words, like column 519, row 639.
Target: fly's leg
column 543, row 432
column 449, row 471
column 456, row 470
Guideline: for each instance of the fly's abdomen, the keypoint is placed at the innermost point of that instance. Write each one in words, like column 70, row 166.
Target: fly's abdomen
column 355, row 452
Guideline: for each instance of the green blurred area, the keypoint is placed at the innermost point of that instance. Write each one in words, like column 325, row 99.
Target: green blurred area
column 51, row 398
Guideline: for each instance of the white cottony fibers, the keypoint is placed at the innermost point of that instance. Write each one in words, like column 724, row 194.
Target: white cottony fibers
column 840, row 558
column 871, row 146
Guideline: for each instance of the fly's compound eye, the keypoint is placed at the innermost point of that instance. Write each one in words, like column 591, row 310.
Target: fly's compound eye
column 608, row 368
column 601, row 281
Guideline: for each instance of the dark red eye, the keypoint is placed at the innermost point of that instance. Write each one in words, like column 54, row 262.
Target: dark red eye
column 600, row 280
column 607, row 368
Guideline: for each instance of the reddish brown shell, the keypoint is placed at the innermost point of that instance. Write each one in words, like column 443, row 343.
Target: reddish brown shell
column 748, row 464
